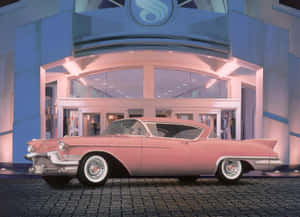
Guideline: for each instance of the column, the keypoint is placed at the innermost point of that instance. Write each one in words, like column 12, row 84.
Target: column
column 148, row 90
column 27, row 89
column 294, row 109
column 275, row 89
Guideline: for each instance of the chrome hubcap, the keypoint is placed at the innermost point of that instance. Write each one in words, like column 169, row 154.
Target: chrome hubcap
column 231, row 168
column 96, row 169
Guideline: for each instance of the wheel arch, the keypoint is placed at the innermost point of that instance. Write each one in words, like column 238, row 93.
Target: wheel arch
column 117, row 167
column 247, row 164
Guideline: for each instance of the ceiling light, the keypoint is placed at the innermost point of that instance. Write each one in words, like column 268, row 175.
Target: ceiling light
column 83, row 81
column 72, row 67
column 210, row 83
column 224, row 71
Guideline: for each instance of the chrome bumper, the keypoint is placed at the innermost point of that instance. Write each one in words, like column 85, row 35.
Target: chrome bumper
column 50, row 163
column 270, row 164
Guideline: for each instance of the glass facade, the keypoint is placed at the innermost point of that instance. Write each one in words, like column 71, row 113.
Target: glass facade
column 183, row 84
column 91, row 124
column 71, row 122
column 125, row 83
column 87, row 5
column 50, row 110
column 217, row 6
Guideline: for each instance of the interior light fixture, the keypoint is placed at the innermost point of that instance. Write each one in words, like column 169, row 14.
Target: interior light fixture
column 224, row 71
column 83, row 81
column 210, row 83
column 72, row 67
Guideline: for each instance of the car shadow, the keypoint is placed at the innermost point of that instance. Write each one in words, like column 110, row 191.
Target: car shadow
column 151, row 182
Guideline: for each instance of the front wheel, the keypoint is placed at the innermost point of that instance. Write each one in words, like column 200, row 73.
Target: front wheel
column 93, row 170
column 57, row 181
column 229, row 171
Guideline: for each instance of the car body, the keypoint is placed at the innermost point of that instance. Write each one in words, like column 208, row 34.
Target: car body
column 149, row 147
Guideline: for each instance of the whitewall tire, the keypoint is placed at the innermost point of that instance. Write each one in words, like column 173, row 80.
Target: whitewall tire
column 230, row 171
column 93, row 170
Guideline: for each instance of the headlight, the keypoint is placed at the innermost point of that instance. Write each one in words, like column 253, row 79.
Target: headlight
column 62, row 146
column 30, row 148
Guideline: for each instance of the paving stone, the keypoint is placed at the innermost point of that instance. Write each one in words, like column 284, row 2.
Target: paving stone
column 152, row 197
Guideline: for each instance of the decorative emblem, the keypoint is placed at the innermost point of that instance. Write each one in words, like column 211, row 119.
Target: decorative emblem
column 151, row 12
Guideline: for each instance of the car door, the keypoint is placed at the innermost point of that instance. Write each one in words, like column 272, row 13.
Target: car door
column 164, row 156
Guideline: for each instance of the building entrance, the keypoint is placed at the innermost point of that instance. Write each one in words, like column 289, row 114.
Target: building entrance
column 89, row 117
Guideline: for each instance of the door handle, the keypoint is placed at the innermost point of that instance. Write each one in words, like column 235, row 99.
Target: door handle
column 185, row 142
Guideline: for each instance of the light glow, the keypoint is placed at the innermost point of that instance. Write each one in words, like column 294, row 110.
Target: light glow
column 72, row 67
column 210, row 83
column 224, row 71
column 83, row 81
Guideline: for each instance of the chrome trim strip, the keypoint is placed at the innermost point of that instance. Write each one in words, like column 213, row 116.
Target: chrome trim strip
column 246, row 158
column 31, row 155
column 54, row 158
column 107, row 146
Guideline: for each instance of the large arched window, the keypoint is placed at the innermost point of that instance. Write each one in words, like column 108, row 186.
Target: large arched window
column 125, row 83
column 184, row 84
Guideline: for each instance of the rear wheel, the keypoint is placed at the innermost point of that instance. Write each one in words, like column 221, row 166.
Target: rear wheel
column 93, row 170
column 229, row 171
column 57, row 181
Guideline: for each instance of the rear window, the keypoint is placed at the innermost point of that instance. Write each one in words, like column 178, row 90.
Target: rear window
column 174, row 131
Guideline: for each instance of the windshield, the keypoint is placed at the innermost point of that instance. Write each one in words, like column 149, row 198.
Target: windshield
column 125, row 127
column 174, row 131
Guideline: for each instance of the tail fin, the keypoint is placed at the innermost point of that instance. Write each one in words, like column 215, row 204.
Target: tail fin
column 267, row 142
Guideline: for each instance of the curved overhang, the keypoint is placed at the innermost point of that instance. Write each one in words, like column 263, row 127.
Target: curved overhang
column 94, row 45
column 188, row 30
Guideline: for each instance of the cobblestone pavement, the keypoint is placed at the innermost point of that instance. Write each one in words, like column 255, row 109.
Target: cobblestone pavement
column 152, row 197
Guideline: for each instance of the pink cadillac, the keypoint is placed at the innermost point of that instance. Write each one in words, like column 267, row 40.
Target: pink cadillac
column 148, row 147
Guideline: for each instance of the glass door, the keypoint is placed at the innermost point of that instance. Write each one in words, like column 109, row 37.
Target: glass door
column 70, row 122
column 211, row 121
column 228, row 124
column 91, row 124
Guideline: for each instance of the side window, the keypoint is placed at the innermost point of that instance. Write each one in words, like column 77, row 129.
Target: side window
column 125, row 127
column 174, row 131
column 137, row 129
